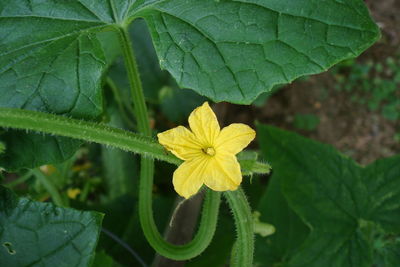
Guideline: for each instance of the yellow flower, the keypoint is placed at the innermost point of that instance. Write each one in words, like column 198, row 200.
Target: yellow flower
column 72, row 193
column 208, row 152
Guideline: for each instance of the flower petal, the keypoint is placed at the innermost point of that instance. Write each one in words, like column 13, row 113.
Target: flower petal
column 189, row 176
column 181, row 142
column 223, row 173
column 204, row 124
column 234, row 138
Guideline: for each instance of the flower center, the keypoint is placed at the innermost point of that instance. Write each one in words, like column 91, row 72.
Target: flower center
column 209, row 151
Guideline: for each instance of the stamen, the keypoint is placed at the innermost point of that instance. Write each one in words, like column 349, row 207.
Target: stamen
column 209, row 151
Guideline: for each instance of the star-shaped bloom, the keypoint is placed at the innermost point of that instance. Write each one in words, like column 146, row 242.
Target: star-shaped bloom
column 208, row 152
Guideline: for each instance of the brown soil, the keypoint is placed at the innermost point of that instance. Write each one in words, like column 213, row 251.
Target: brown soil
column 351, row 128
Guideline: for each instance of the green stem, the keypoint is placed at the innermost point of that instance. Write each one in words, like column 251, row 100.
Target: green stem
column 88, row 131
column 137, row 95
column 120, row 103
column 85, row 191
column 244, row 246
column 2, row 147
column 233, row 259
column 260, row 168
column 211, row 204
column 50, row 187
column 20, row 179
column 204, row 235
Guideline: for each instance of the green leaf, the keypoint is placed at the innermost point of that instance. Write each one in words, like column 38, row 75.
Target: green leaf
column 177, row 104
column 102, row 259
column 50, row 61
column 120, row 168
column 37, row 78
column 235, row 50
column 153, row 78
column 110, row 45
column 350, row 210
column 41, row 234
column 290, row 230
column 32, row 150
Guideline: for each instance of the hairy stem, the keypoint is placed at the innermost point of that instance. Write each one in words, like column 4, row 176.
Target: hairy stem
column 84, row 130
column 243, row 249
column 98, row 133
column 211, row 205
column 201, row 240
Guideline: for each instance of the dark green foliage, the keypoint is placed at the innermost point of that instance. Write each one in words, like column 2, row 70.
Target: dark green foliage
column 34, row 233
column 32, row 150
column 352, row 212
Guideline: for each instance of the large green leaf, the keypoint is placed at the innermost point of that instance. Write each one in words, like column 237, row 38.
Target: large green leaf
column 228, row 50
column 40, row 234
column 235, row 50
column 49, row 61
column 353, row 212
